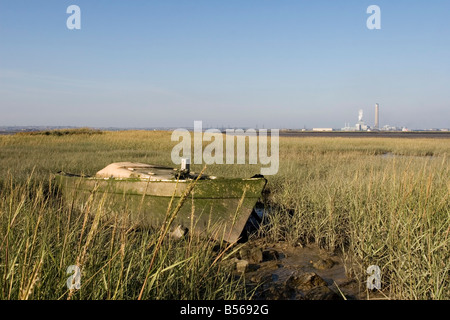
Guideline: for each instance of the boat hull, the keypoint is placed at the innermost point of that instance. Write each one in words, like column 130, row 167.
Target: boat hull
column 217, row 208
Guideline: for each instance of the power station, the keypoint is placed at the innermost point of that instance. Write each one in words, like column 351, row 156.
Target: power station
column 361, row 125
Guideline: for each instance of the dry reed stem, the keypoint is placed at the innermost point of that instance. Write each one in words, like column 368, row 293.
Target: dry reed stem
column 166, row 226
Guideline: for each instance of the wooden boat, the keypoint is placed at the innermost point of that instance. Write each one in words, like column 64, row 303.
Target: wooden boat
column 140, row 194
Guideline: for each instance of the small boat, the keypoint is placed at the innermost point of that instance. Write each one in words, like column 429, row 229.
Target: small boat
column 142, row 193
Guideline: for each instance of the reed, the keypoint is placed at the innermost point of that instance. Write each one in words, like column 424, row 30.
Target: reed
column 382, row 201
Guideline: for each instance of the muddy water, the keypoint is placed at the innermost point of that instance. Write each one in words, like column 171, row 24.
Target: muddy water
column 279, row 271
column 390, row 155
column 280, row 265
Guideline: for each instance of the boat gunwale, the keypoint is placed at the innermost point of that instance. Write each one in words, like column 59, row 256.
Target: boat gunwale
column 146, row 181
column 69, row 175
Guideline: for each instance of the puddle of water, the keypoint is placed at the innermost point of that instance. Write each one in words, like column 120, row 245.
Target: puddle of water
column 257, row 218
column 390, row 155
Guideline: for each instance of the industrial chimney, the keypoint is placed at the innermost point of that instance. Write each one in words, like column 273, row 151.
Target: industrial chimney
column 377, row 110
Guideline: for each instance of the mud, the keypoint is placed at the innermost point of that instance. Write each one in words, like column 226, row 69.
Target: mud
column 283, row 272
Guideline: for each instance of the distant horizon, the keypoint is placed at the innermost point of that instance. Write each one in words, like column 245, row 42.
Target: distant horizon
column 205, row 127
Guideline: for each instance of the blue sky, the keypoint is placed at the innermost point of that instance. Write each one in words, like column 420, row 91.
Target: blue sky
column 239, row 63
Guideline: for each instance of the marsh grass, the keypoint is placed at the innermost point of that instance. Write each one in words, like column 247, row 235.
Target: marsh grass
column 342, row 194
column 393, row 213
column 42, row 236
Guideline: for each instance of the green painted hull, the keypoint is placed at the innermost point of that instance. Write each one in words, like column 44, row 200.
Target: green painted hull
column 217, row 208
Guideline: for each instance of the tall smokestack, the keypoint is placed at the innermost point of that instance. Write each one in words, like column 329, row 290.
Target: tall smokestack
column 377, row 110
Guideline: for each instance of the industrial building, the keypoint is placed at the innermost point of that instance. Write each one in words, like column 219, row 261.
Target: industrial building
column 322, row 129
column 359, row 126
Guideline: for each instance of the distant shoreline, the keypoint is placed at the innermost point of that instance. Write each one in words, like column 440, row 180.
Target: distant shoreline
column 284, row 133
column 365, row 134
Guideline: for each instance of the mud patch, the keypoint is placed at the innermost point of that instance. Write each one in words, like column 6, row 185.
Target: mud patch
column 283, row 272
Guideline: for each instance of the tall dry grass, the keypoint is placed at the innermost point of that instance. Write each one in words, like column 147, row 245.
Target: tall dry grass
column 41, row 236
column 390, row 210
column 376, row 201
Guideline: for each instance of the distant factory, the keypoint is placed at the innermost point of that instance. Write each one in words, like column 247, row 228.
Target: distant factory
column 362, row 126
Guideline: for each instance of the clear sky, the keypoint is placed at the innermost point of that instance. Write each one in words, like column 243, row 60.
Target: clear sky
column 239, row 63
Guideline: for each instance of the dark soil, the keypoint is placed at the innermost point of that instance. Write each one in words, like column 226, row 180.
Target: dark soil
column 283, row 272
